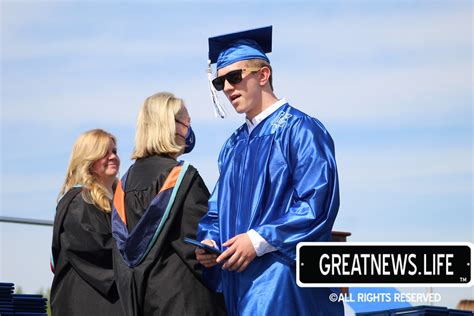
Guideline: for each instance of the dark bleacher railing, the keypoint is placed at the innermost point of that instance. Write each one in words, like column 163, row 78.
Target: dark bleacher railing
column 29, row 221
column 12, row 304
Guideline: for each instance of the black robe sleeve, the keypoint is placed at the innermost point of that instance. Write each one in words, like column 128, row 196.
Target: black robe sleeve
column 193, row 209
column 87, row 244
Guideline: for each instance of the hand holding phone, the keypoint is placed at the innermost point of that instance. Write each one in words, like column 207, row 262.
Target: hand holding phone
column 198, row 244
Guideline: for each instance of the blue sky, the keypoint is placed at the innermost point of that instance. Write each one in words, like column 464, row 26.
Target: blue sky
column 391, row 81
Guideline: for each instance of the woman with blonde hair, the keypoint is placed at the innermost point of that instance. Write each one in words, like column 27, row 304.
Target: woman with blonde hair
column 158, row 202
column 81, row 258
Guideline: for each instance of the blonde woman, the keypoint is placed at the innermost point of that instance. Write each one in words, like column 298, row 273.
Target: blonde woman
column 81, row 258
column 158, row 202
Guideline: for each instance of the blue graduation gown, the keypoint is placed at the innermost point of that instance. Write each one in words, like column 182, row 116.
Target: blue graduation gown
column 281, row 181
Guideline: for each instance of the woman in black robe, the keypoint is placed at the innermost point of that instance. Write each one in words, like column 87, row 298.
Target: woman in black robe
column 81, row 258
column 158, row 202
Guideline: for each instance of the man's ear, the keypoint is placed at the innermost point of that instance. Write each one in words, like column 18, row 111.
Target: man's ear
column 265, row 73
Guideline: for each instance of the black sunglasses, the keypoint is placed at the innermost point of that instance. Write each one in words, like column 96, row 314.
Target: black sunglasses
column 232, row 77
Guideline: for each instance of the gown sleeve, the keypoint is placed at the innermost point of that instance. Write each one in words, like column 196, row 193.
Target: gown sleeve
column 194, row 207
column 209, row 229
column 209, row 224
column 315, row 198
column 87, row 241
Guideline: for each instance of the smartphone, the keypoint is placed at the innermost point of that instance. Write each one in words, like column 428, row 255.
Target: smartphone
column 202, row 246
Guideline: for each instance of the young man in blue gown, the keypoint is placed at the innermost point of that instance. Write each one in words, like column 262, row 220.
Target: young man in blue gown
column 277, row 187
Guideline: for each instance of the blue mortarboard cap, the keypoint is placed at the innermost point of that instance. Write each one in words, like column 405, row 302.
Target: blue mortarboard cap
column 230, row 48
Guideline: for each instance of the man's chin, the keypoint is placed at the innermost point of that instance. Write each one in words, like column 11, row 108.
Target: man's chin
column 239, row 109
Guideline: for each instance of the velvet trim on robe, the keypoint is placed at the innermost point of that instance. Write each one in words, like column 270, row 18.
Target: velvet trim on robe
column 168, row 279
column 135, row 245
column 281, row 181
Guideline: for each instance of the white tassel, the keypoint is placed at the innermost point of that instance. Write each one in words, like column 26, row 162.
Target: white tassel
column 219, row 110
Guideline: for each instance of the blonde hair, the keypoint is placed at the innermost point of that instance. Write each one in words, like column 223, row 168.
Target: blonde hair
column 261, row 63
column 156, row 126
column 88, row 148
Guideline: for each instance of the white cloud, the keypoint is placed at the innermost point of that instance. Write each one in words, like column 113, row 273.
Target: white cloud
column 426, row 81
column 15, row 183
column 15, row 15
column 361, row 34
column 92, row 47
column 415, row 94
column 395, row 68
column 402, row 168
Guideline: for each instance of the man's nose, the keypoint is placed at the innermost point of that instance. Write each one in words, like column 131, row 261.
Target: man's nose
column 228, row 86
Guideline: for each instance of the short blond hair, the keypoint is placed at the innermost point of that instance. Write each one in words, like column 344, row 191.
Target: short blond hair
column 89, row 147
column 156, row 126
column 259, row 63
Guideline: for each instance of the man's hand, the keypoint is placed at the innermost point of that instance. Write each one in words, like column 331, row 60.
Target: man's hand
column 205, row 258
column 239, row 254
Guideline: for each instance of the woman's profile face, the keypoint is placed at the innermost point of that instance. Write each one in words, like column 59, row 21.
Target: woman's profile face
column 182, row 125
column 108, row 166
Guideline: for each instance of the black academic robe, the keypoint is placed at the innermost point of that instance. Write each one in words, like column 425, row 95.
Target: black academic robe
column 168, row 280
column 83, row 281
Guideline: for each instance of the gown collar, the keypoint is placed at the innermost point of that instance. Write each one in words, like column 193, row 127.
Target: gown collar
column 251, row 124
